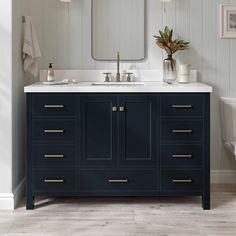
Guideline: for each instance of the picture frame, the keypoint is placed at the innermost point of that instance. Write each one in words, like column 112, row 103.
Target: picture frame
column 227, row 21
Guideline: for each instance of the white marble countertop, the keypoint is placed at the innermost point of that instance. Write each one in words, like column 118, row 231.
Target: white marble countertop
column 148, row 87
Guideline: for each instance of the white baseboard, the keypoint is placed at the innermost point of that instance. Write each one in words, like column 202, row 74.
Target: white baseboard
column 6, row 201
column 223, row 177
column 9, row 201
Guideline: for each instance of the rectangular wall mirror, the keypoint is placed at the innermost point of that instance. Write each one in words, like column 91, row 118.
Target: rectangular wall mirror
column 118, row 26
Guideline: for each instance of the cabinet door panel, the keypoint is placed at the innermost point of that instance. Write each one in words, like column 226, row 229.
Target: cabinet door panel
column 98, row 127
column 138, row 128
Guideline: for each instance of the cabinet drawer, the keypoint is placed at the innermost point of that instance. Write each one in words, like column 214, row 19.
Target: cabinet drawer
column 181, row 180
column 181, row 131
column 53, row 105
column 181, row 155
column 182, row 105
column 117, row 180
column 53, row 155
column 54, row 130
column 54, row 181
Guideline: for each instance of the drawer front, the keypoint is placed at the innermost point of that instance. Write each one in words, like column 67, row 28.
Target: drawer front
column 182, row 105
column 118, row 180
column 53, row 105
column 181, row 180
column 54, row 130
column 181, row 155
column 54, row 181
column 181, row 131
column 53, row 155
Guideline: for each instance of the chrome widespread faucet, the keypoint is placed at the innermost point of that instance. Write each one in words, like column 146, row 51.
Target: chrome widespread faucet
column 118, row 77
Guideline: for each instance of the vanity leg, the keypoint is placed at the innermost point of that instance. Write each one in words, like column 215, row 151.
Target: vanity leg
column 206, row 202
column 30, row 203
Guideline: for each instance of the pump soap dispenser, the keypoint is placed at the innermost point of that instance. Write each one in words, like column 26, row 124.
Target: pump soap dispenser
column 50, row 74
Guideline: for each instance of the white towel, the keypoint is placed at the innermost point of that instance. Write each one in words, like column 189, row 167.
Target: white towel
column 31, row 50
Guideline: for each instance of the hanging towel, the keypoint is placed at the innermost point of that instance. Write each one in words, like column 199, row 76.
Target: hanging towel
column 31, row 50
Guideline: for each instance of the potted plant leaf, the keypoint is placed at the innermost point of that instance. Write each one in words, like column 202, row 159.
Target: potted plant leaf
column 166, row 42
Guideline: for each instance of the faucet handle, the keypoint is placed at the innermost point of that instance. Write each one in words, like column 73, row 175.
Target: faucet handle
column 108, row 76
column 129, row 78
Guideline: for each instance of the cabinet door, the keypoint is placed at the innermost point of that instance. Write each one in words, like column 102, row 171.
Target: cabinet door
column 139, row 126
column 98, row 130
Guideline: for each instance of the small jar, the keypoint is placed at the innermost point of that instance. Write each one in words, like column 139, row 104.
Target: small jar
column 184, row 73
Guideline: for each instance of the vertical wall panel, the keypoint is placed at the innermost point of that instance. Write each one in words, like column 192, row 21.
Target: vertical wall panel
column 196, row 34
column 183, row 27
column 232, row 91
column 85, row 32
column 210, row 71
column 155, row 24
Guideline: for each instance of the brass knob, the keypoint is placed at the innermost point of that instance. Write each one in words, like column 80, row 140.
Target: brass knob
column 114, row 109
column 122, row 109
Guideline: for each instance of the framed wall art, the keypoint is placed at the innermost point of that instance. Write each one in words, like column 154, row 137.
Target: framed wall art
column 228, row 21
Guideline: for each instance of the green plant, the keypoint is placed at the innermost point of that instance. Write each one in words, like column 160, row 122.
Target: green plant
column 165, row 41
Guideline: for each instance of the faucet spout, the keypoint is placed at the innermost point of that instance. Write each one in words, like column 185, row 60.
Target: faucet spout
column 118, row 78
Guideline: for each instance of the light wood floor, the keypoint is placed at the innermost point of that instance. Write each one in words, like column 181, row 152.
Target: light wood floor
column 125, row 216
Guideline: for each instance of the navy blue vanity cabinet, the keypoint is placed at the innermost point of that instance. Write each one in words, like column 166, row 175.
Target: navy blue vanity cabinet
column 125, row 144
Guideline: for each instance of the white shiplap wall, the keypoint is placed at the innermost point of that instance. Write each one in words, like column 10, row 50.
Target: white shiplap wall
column 64, row 33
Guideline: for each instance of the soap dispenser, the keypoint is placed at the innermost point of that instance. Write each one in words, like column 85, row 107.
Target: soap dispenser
column 50, row 74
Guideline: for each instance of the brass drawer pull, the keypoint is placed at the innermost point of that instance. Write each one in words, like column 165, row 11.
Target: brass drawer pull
column 50, row 131
column 122, row 109
column 54, row 181
column 54, row 106
column 182, row 131
column 118, row 181
column 114, row 109
column 182, row 180
column 53, row 156
column 182, row 156
column 182, row 106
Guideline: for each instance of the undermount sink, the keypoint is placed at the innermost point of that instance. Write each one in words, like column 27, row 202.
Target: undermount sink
column 118, row 84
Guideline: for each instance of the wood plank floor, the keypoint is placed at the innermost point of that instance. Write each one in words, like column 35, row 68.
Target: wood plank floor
column 125, row 216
